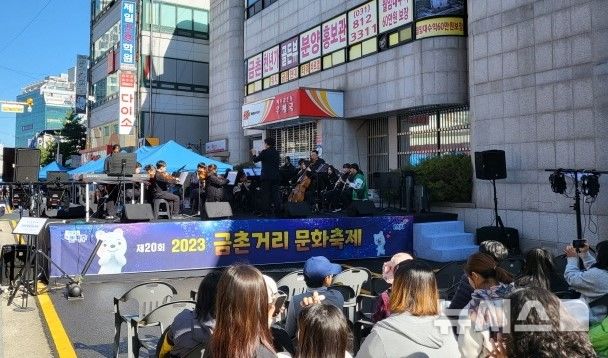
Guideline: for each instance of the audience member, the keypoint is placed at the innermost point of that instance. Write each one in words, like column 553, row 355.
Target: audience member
column 194, row 328
column 382, row 309
column 462, row 296
column 549, row 341
column 322, row 332
column 280, row 339
column 592, row 282
column 318, row 275
column 491, row 285
column 412, row 329
column 242, row 316
column 538, row 269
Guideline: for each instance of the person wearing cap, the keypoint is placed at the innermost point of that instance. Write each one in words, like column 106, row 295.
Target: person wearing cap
column 382, row 307
column 318, row 275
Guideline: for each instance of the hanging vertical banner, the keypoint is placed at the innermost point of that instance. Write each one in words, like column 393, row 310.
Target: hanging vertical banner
column 82, row 65
column 128, row 35
column 126, row 101
column 362, row 22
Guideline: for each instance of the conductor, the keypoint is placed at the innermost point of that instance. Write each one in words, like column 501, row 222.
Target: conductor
column 270, row 178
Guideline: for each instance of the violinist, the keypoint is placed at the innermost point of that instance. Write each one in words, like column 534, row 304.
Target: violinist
column 159, row 181
column 197, row 188
column 316, row 183
column 214, row 184
column 332, row 198
column 242, row 192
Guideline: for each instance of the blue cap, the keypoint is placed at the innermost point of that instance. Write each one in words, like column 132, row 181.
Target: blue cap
column 319, row 267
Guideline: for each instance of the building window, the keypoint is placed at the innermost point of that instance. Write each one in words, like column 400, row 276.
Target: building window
column 177, row 74
column 296, row 141
column 429, row 133
column 106, row 41
column 255, row 6
column 377, row 144
column 175, row 19
column 105, row 89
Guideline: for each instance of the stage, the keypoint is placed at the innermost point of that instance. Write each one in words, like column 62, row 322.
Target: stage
column 177, row 245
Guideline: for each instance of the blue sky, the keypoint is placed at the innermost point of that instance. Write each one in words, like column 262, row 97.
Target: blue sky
column 38, row 38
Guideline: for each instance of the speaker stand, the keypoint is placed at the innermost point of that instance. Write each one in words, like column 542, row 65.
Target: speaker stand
column 497, row 218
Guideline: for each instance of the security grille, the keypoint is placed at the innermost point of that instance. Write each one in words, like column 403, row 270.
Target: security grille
column 296, row 141
column 377, row 154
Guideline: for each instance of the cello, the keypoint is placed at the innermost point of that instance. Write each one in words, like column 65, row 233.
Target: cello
column 298, row 193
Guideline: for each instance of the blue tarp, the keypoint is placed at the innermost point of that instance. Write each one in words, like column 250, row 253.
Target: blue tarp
column 176, row 156
column 51, row 167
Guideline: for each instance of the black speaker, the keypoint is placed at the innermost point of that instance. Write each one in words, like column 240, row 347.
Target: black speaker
column 216, row 210
column 20, row 164
column 297, row 210
column 137, row 212
column 361, row 208
column 73, row 212
column 490, row 164
column 508, row 236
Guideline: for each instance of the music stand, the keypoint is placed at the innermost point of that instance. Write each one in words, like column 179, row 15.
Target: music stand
column 122, row 164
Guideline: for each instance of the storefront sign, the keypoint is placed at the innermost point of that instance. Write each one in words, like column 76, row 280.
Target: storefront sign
column 254, row 68
column 395, row 13
column 216, row 146
column 289, row 53
column 128, row 35
column 334, row 34
column 12, row 108
column 270, row 61
column 310, row 44
column 126, row 101
column 443, row 26
column 190, row 245
column 362, row 22
column 300, row 103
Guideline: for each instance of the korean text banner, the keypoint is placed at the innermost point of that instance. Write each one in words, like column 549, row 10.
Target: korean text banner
column 394, row 13
column 165, row 246
column 128, row 34
column 308, row 103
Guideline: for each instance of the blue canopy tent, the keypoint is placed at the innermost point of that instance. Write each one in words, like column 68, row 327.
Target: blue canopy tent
column 178, row 157
column 94, row 166
column 51, row 167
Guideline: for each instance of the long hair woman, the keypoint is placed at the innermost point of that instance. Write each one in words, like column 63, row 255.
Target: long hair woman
column 241, row 327
column 322, row 332
column 491, row 285
column 551, row 341
column 413, row 328
column 538, row 270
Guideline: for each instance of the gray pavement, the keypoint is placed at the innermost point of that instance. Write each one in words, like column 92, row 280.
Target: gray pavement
column 23, row 333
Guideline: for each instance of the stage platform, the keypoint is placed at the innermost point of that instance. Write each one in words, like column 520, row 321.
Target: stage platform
column 178, row 245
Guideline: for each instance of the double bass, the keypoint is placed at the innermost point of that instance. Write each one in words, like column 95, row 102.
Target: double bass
column 298, row 193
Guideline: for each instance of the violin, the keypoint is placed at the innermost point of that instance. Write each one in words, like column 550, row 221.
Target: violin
column 168, row 177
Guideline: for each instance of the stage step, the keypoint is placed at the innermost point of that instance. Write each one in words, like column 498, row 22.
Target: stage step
column 443, row 241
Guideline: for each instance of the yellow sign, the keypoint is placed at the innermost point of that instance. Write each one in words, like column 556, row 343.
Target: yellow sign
column 12, row 108
column 443, row 26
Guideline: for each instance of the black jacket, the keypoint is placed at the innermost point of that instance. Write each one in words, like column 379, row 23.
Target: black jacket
column 158, row 184
column 215, row 187
column 271, row 160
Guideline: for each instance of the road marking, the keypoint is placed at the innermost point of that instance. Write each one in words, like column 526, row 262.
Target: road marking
column 63, row 345
column 18, row 237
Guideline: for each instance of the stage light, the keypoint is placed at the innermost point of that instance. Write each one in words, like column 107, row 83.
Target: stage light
column 558, row 182
column 590, row 185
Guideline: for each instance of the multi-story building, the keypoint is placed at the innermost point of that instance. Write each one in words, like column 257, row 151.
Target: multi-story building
column 386, row 83
column 53, row 99
column 168, row 51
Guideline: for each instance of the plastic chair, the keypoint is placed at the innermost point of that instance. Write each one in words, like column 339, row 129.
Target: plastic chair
column 157, row 208
column 148, row 296
column 355, row 278
column 448, row 278
column 599, row 306
column 161, row 316
column 292, row 284
column 161, row 340
column 193, row 294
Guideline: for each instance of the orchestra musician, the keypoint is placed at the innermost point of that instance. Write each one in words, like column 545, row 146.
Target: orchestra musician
column 110, row 191
column 159, row 181
column 131, row 189
column 242, row 193
column 332, row 199
column 287, row 171
column 358, row 183
column 197, row 188
column 313, row 168
column 214, row 184
column 270, row 179
column 302, row 166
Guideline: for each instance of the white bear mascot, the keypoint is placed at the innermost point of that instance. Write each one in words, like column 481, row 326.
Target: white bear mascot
column 379, row 240
column 112, row 251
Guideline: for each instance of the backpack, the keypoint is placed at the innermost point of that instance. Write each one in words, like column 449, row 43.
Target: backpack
column 598, row 335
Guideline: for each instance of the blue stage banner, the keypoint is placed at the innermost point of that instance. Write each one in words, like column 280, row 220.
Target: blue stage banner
column 186, row 245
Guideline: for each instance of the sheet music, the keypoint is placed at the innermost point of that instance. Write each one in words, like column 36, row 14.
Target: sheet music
column 231, row 177
column 182, row 178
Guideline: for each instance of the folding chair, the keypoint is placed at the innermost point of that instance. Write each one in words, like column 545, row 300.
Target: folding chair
column 162, row 316
column 148, row 296
column 292, row 284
